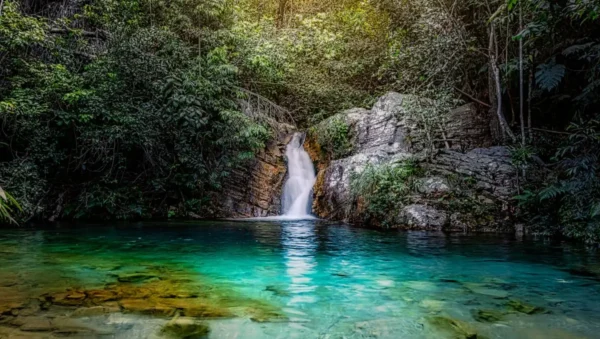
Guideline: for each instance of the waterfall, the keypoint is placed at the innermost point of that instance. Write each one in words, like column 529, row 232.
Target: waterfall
column 298, row 188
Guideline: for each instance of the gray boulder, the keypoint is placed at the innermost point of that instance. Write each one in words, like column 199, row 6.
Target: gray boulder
column 433, row 185
column 422, row 217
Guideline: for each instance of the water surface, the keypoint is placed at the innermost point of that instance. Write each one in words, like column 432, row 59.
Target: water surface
column 326, row 280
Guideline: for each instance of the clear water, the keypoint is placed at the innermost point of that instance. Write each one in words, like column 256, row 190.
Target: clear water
column 330, row 280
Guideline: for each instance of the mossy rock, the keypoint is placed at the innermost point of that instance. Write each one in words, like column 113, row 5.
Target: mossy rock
column 521, row 307
column 487, row 316
column 458, row 329
column 185, row 328
column 136, row 277
column 261, row 315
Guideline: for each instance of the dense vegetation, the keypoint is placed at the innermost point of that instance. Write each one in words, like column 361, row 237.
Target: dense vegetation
column 140, row 108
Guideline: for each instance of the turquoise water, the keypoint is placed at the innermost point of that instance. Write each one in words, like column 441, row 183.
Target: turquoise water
column 327, row 280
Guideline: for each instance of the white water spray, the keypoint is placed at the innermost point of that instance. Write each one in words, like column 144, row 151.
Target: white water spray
column 298, row 188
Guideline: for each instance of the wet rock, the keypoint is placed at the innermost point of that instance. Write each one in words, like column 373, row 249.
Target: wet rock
column 144, row 306
column 433, row 305
column 65, row 326
column 73, row 298
column 487, row 316
column 136, row 277
column 196, row 308
column 521, row 307
column 255, row 190
column 264, row 315
column 8, row 307
column 457, row 328
column 461, row 222
column 485, row 290
column 433, row 185
column 96, row 310
column 27, row 309
column 9, row 280
column 33, row 324
column 101, row 296
column 422, row 217
column 185, row 328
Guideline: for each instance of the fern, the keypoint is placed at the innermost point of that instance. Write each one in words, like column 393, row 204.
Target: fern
column 548, row 76
column 595, row 211
column 8, row 204
column 576, row 49
column 551, row 192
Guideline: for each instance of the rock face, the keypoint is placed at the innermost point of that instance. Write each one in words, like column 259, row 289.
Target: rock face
column 378, row 136
column 467, row 128
column 255, row 190
column 490, row 167
column 387, row 134
column 423, row 218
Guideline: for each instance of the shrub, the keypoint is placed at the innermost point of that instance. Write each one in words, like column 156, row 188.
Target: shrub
column 333, row 135
column 382, row 189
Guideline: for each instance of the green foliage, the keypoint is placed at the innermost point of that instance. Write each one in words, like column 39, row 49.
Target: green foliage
column 548, row 76
column 333, row 135
column 430, row 114
column 8, row 205
column 143, row 124
column 567, row 202
column 383, row 189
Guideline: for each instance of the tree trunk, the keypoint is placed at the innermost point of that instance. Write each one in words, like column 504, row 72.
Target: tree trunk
column 281, row 13
column 530, row 94
column 496, row 82
column 521, row 85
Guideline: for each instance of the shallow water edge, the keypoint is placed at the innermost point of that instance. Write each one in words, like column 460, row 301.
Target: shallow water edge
column 290, row 279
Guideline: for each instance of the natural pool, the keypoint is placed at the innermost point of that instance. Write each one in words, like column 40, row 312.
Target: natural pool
column 291, row 279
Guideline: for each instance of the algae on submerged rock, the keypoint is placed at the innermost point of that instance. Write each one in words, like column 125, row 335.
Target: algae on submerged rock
column 185, row 328
column 457, row 328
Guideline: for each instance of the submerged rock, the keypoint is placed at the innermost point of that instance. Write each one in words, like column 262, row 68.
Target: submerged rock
column 96, row 310
column 66, row 327
column 33, row 324
column 487, row 316
column 485, row 290
column 101, row 296
column 262, row 314
column 457, row 328
column 433, row 305
column 144, row 306
column 521, row 307
column 136, row 277
column 185, row 328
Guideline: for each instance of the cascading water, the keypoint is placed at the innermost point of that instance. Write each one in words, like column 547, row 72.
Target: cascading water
column 297, row 190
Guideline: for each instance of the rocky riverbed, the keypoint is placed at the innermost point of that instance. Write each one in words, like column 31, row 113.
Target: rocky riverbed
column 179, row 303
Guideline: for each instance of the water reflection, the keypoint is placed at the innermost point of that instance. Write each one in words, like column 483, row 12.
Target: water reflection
column 300, row 247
